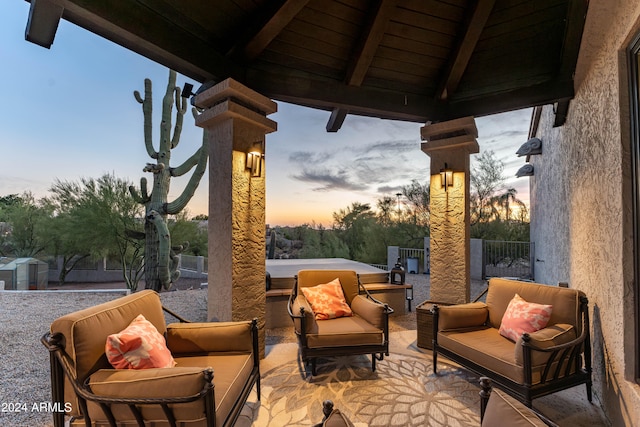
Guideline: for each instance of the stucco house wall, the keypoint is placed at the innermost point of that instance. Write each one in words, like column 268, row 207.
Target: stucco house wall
column 581, row 204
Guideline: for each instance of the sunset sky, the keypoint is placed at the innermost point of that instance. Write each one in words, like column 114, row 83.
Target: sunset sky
column 69, row 112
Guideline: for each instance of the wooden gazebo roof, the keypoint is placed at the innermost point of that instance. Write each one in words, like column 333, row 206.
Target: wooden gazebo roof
column 417, row 60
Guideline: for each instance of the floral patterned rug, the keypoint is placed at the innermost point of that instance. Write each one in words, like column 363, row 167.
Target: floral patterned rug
column 402, row 392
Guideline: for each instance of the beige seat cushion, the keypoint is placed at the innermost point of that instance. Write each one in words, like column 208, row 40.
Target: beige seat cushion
column 369, row 310
column 343, row 332
column 149, row 383
column 473, row 314
column 231, row 373
column 486, row 347
column 545, row 338
column 504, row 410
column 209, row 337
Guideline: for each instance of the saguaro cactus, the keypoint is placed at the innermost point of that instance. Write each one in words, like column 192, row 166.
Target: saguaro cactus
column 160, row 259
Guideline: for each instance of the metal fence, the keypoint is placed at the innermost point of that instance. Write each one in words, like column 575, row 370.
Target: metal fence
column 189, row 262
column 193, row 263
column 113, row 264
column 413, row 260
column 508, row 259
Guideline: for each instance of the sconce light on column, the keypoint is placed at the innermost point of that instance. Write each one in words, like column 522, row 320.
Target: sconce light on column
column 254, row 159
column 446, row 177
column 187, row 90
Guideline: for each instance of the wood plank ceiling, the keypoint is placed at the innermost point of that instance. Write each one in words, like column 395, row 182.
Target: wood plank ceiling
column 416, row 60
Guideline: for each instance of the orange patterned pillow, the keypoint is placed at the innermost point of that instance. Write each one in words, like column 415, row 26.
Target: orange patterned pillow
column 327, row 301
column 522, row 316
column 138, row 346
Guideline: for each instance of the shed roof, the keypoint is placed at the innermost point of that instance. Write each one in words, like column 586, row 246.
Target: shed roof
column 7, row 263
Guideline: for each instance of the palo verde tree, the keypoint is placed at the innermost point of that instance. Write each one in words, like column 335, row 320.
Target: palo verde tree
column 161, row 261
column 24, row 223
column 352, row 225
column 94, row 219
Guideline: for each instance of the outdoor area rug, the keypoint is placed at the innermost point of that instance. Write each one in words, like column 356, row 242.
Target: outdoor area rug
column 403, row 391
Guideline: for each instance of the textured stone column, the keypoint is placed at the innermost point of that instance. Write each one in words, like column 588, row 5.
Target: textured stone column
column 450, row 143
column 235, row 117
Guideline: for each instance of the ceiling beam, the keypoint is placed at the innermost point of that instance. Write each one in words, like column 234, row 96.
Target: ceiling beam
column 172, row 41
column 526, row 97
column 152, row 35
column 308, row 90
column 467, row 43
column 274, row 25
column 561, row 111
column 336, row 119
column 363, row 54
column 369, row 41
column 42, row 24
column 576, row 16
column 338, row 115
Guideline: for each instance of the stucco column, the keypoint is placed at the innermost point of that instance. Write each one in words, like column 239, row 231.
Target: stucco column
column 236, row 120
column 449, row 145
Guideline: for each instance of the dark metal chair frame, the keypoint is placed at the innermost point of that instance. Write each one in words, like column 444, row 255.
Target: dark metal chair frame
column 60, row 368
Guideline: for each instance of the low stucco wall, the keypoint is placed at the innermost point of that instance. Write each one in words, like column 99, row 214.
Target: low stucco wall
column 581, row 202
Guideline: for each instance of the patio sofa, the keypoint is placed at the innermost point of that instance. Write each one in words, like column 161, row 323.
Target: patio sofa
column 539, row 363
column 216, row 367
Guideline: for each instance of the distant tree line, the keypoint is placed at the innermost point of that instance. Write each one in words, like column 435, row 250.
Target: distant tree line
column 361, row 233
column 97, row 218
column 86, row 219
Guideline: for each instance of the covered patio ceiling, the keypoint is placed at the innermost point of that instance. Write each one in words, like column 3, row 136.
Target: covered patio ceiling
column 415, row 60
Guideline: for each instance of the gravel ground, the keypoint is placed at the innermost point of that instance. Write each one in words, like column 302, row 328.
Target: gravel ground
column 26, row 316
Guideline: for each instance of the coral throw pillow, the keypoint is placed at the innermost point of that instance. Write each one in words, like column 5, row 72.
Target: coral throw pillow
column 522, row 316
column 327, row 301
column 138, row 346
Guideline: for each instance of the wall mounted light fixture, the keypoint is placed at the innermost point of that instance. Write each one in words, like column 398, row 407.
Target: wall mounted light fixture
column 530, row 148
column 446, row 177
column 526, row 170
column 254, row 159
column 187, row 90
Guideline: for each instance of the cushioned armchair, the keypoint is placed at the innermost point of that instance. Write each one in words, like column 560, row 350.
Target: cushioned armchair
column 216, row 367
column 363, row 331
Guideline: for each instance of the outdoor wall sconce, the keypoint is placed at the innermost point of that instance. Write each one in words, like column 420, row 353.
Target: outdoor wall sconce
column 187, row 90
column 446, row 177
column 530, row 148
column 526, row 170
column 254, row 159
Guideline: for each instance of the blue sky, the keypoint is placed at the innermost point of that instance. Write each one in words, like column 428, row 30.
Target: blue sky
column 69, row 112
